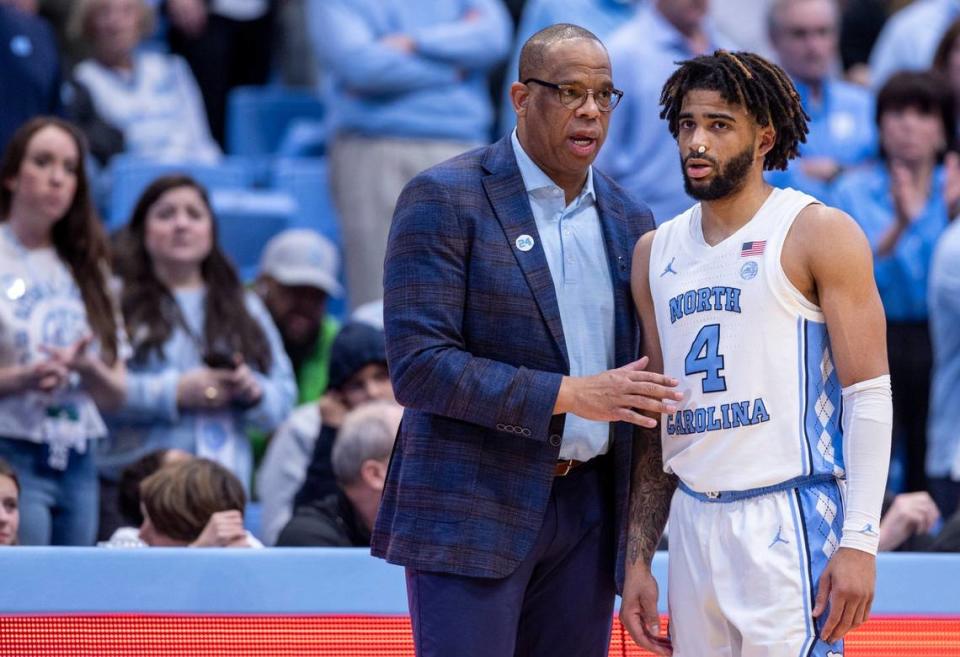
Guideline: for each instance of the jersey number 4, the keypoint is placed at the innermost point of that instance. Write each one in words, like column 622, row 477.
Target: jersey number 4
column 704, row 356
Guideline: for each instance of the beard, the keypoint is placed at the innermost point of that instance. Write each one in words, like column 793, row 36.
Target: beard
column 726, row 179
column 300, row 347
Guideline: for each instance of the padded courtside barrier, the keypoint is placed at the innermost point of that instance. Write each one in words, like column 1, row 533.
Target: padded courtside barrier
column 333, row 602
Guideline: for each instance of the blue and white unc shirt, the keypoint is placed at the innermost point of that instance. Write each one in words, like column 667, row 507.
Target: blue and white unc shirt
column 761, row 394
column 40, row 304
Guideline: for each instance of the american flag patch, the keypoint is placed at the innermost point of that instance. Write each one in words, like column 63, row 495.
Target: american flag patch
column 752, row 249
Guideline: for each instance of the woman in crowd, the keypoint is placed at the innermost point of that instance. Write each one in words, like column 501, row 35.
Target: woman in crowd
column 194, row 503
column 902, row 203
column 208, row 363
column 150, row 98
column 60, row 344
column 9, row 504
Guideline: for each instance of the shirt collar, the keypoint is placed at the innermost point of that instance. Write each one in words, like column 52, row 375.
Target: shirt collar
column 534, row 178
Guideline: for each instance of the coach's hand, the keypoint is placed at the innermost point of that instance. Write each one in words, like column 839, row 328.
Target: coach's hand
column 618, row 395
column 638, row 610
column 848, row 583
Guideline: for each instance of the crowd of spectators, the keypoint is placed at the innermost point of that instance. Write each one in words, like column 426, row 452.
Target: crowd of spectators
column 141, row 376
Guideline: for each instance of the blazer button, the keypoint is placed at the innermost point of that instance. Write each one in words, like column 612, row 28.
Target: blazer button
column 500, row 427
column 556, row 439
column 525, row 431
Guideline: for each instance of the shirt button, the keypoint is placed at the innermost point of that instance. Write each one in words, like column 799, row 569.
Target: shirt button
column 556, row 439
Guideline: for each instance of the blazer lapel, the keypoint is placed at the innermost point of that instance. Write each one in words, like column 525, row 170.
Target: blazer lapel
column 504, row 187
column 619, row 245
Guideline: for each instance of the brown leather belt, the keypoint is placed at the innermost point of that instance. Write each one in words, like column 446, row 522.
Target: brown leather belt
column 565, row 467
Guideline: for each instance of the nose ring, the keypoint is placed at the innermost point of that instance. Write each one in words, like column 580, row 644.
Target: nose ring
column 701, row 150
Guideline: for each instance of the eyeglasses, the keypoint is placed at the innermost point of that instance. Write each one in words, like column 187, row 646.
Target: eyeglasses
column 574, row 96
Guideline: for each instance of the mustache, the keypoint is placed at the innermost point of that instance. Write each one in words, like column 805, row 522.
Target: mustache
column 696, row 156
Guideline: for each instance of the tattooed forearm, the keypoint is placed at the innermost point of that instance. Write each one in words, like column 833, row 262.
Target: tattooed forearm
column 650, row 492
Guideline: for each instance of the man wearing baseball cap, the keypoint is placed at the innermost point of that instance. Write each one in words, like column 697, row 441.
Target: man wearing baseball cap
column 298, row 273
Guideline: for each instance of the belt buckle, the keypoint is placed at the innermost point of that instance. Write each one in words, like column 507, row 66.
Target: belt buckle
column 713, row 495
column 563, row 468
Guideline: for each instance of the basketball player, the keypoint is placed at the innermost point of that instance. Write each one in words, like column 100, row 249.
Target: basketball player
column 767, row 312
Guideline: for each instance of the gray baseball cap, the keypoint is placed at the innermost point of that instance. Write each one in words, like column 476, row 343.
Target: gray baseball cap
column 300, row 256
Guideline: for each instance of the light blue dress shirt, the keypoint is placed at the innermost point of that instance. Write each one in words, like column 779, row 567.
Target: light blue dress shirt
column 573, row 243
column 602, row 17
column 640, row 153
column 437, row 92
column 842, row 127
column 943, row 427
column 902, row 276
column 910, row 38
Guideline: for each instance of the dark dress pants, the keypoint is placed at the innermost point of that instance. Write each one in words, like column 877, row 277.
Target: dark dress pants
column 228, row 54
column 559, row 601
column 911, row 361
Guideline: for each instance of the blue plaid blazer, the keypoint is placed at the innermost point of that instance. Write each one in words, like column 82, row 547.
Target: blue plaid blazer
column 476, row 354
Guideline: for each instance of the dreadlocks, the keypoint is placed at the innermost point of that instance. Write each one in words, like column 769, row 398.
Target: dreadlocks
column 748, row 80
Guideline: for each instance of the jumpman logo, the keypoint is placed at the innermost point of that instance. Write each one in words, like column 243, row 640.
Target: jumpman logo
column 778, row 538
column 669, row 268
column 868, row 530
column 831, row 653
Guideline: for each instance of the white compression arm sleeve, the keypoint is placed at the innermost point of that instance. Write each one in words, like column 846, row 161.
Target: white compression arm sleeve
column 867, row 424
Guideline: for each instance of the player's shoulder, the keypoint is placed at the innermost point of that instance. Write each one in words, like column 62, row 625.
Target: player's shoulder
column 825, row 232
column 821, row 221
column 644, row 245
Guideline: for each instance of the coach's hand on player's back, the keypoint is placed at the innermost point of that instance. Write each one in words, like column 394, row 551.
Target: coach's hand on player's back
column 619, row 395
column 848, row 584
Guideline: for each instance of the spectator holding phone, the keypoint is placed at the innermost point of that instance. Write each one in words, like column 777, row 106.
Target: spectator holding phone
column 207, row 362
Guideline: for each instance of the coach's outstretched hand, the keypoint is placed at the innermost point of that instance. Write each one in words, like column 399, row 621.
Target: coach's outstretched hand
column 619, row 395
column 638, row 610
column 848, row 583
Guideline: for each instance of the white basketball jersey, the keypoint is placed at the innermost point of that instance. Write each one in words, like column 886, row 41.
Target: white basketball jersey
column 762, row 400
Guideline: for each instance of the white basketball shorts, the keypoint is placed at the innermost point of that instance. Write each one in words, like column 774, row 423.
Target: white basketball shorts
column 744, row 570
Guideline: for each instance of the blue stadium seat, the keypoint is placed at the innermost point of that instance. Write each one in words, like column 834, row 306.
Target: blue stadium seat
column 246, row 220
column 305, row 179
column 129, row 176
column 258, row 117
column 304, row 138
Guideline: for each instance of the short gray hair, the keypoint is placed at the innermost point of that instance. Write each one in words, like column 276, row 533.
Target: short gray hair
column 367, row 433
column 778, row 6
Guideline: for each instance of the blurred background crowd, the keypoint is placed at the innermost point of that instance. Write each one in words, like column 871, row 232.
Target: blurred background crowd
column 195, row 197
